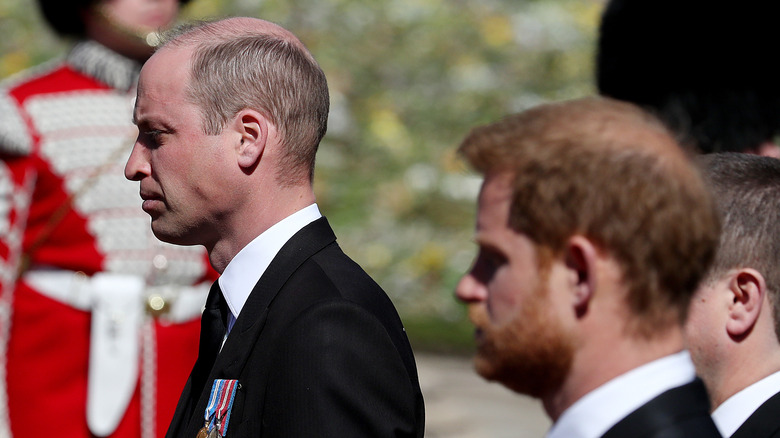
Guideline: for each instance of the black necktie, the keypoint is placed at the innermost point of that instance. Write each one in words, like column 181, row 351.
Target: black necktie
column 212, row 331
column 212, row 328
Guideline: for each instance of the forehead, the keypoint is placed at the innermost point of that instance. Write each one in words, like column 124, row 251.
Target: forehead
column 494, row 201
column 493, row 229
column 163, row 81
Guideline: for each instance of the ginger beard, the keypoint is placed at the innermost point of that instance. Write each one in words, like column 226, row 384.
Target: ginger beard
column 530, row 354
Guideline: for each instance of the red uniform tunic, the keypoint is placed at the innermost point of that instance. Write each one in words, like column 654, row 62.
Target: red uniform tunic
column 74, row 329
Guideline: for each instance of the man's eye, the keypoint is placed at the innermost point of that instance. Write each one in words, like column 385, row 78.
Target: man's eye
column 486, row 264
column 493, row 259
column 153, row 137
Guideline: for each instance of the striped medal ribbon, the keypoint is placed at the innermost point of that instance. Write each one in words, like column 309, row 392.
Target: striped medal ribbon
column 217, row 414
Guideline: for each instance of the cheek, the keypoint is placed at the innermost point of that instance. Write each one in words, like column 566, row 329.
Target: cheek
column 700, row 328
column 143, row 13
column 699, row 313
column 168, row 15
column 123, row 11
column 172, row 170
column 503, row 297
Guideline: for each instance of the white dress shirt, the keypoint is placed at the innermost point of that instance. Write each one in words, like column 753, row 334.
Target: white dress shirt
column 595, row 413
column 244, row 271
column 737, row 408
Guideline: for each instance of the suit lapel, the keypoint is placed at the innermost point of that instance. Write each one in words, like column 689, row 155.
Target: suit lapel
column 661, row 412
column 231, row 360
column 302, row 246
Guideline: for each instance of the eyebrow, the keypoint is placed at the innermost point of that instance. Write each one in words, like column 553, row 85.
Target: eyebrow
column 142, row 120
column 136, row 121
column 482, row 242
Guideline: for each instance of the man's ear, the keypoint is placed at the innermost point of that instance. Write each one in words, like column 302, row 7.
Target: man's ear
column 252, row 127
column 580, row 258
column 749, row 290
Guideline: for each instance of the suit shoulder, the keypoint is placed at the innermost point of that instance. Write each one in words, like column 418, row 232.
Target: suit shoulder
column 764, row 422
column 331, row 274
column 336, row 320
column 681, row 412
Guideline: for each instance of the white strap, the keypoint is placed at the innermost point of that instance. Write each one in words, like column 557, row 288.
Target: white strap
column 117, row 303
column 114, row 348
column 78, row 291
column 66, row 287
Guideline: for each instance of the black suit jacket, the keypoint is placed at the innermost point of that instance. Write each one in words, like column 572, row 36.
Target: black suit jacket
column 764, row 422
column 682, row 412
column 318, row 350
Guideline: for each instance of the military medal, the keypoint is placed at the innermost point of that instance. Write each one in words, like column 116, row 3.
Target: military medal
column 217, row 414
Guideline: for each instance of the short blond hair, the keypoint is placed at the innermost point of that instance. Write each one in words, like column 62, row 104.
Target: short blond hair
column 234, row 67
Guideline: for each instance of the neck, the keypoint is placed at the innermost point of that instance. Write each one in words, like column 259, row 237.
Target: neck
column 743, row 364
column 606, row 357
column 257, row 216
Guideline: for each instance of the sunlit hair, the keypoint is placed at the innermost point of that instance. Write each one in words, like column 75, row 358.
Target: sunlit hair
column 608, row 171
column 265, row 72
column 747, row 192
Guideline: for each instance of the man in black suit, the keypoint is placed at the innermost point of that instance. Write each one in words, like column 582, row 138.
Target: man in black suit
column 296, row 340
column 593, row 231
column 732, row 330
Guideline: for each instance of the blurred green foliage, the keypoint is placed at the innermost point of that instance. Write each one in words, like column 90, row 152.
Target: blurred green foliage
column 408, row 79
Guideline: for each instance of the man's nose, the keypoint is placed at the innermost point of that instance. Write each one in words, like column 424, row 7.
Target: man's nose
column 138, row 165
column 469, row 290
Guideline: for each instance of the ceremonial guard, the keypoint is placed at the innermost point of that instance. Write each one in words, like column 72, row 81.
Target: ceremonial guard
column 99, row 321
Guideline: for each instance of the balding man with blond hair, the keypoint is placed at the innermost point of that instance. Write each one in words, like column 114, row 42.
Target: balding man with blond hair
column 296, row 339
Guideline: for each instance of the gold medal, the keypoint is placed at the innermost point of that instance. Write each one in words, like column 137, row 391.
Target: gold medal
column 203, row 432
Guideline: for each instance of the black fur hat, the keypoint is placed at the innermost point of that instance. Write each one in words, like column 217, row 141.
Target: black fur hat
column 706, row 68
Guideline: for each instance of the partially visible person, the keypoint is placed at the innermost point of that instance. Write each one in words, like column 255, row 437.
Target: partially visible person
column 734, row 322
column 297, row 340
column 705, row 68
column 593, row 230
column 99, row 320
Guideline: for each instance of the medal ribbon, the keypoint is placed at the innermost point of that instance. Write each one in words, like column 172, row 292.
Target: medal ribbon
column 220, row 405
column 211, row 408
column 226, row 398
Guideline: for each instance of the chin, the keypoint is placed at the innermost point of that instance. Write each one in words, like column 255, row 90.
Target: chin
column 530, row 354
column 174, row 238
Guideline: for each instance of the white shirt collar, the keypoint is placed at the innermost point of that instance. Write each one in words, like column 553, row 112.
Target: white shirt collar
column 595, row 413
column 737, row 408
column 245, row 269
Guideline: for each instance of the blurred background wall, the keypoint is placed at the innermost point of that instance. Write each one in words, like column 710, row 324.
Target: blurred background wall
column 408, row 79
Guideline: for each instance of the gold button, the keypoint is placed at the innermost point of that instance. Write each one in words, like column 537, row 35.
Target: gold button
column 157, row 306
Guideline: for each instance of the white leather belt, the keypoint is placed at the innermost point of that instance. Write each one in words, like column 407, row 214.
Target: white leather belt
column 181, row 303
column 120, row 304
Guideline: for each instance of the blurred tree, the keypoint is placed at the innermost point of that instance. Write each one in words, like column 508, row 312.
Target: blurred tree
column 408, row 79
